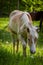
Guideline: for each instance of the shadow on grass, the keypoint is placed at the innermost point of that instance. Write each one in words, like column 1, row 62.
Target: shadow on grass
column 5, row 36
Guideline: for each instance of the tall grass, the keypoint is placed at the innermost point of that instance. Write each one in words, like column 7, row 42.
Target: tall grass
column 6, row 56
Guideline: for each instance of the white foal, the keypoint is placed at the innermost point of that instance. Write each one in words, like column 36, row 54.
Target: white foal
column 20, row 25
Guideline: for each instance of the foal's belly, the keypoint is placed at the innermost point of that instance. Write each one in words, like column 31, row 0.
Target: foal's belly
column 14, row 26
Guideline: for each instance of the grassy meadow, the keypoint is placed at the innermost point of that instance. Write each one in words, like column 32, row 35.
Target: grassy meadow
column 6, row 56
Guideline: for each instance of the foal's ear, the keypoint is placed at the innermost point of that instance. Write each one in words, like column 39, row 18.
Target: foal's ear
column 36, row 28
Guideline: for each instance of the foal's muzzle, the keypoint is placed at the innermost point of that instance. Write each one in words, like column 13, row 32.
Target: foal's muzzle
column 32, row 52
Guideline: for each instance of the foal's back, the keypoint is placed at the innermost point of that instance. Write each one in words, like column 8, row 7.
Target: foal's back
column 15, row 20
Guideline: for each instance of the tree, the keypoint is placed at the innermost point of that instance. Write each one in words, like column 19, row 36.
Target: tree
column 6, row 6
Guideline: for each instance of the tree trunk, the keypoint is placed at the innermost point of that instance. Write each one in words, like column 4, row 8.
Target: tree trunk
column 18, row 5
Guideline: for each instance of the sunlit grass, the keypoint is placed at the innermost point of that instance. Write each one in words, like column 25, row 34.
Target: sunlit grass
column 3, row 22
column 6, row 48
column 37, row 23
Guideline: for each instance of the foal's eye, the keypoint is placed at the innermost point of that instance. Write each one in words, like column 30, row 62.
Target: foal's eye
column 35, row 39
column 27, row 30
column 28, row 39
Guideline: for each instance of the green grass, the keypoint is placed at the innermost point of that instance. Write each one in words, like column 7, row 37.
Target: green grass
column 6, row 56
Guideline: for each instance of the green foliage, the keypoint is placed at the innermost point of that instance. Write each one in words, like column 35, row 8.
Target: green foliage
column 33, row 5
column 6, row 6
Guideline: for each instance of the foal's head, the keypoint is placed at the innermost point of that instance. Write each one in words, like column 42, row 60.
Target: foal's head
column 33, row 36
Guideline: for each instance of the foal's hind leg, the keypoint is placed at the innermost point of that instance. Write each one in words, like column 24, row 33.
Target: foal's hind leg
column 17, row 45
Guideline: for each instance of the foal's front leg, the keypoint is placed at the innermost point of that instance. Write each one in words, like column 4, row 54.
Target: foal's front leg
column 24, row 47
column 24, row 51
